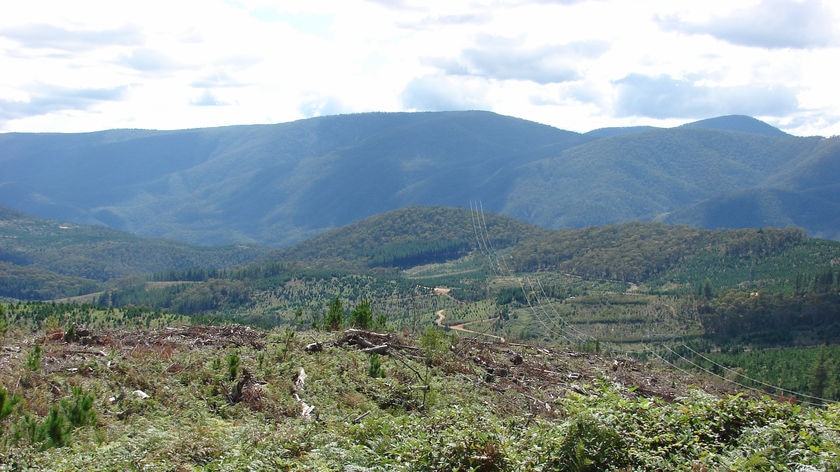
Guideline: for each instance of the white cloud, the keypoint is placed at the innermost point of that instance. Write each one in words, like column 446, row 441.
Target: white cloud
column 666, row 97
column 769, row 24
column 445, row 93
column 50, row 36
column 207, row 99
column 508, row 59
column 579, row 65
column 47, row 99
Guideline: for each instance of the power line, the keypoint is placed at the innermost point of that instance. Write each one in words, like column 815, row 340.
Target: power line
column 500, row 268
column 739, row 384
column 496, row 263
column 746, row 377
column 568, row 332
column 578, row 334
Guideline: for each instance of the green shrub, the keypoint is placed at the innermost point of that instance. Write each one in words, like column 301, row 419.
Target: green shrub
column 53, row 431
column 70, row 335
column 79, row 409
column 335, row 316
column 362, row 316
column 33, row 359
column 375, row 369
column 233, row 362
column 434, row 343
column 589, row 445
column 7, row 403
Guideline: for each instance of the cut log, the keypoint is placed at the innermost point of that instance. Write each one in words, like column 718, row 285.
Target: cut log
column 382, row 349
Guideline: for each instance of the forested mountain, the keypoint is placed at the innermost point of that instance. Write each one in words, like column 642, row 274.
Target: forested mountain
column 744, row 124
column 280, row 184
column 49, row 259
column 664, row 174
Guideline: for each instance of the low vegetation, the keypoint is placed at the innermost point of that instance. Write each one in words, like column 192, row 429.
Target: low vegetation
column 230, row 397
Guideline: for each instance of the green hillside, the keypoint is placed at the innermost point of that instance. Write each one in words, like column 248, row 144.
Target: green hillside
column 620, row 285
column 408, row 237
column 615, row 288
column 652, row 174
column 44, row 259
column 658, row 254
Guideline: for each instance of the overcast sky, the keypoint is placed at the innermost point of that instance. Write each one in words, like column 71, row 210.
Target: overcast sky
column 82, row 65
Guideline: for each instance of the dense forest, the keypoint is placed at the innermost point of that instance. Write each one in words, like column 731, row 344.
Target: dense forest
column 639, row 252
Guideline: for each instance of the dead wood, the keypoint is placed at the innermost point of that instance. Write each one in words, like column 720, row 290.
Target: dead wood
column 381, row 349
column 372, row 342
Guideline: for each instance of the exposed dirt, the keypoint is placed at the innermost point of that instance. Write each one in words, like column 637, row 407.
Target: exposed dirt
column 542, row 375
column 539, row 375
column 546, row 374
column 462, row 327
column 60, row 355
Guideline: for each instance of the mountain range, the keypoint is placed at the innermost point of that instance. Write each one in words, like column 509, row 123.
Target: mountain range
column 279, row 184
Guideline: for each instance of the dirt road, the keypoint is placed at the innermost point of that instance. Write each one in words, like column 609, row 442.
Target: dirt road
column 462, row 327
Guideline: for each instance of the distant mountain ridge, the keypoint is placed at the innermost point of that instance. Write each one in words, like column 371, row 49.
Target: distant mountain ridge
column 279, row 184
column 738, row 123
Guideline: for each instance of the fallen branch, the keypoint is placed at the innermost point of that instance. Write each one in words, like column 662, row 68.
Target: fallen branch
column 372, row 342
column 361, row 417
column 381, row 349
column 300, row 379
column 363, row 338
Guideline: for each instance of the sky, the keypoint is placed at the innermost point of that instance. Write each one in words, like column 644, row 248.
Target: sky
column 78, row 66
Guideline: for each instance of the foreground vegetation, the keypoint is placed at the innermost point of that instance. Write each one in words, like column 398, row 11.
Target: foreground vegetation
column 229, row 397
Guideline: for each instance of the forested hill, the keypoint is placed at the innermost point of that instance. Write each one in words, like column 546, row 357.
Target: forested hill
column 42, row 259
column 645, row 252
column 654, row 254
column 409, row 237
column 280, row 184
column 743, row 124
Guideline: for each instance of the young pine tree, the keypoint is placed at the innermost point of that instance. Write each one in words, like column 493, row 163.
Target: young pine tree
column 335, row 316
column 362, row 316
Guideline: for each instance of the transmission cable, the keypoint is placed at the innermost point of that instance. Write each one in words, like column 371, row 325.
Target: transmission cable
column 759, row 382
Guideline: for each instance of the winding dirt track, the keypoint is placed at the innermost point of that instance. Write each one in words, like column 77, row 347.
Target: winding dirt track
column 462, row 327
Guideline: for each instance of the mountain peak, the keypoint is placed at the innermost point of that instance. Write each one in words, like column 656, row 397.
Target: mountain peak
column 738, row 123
